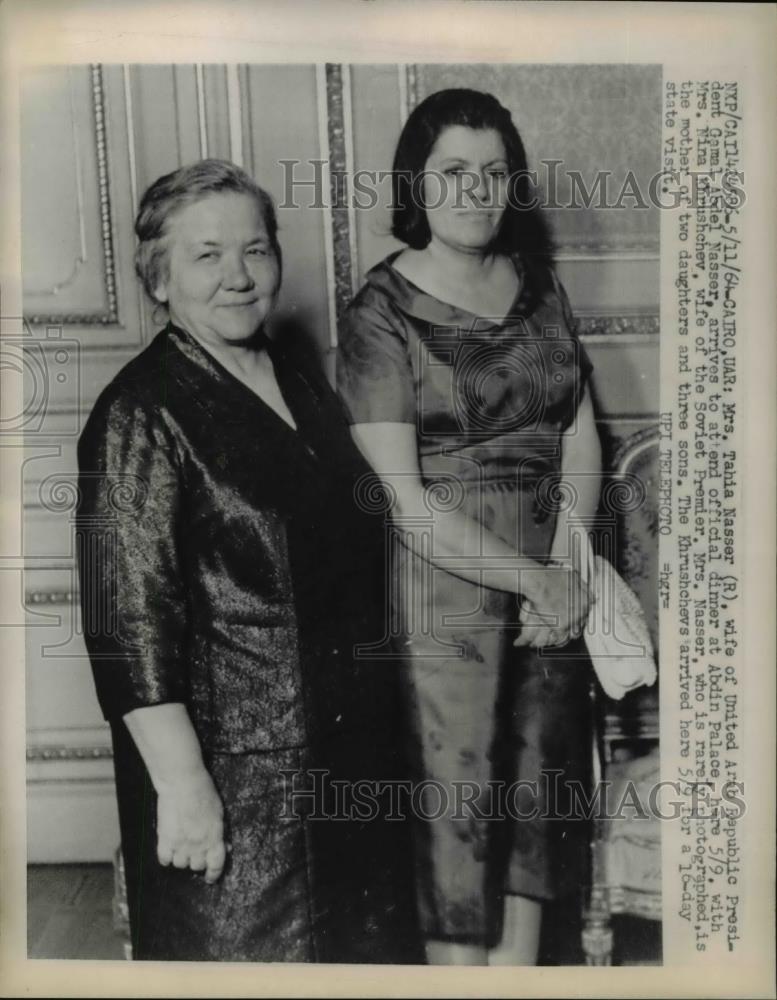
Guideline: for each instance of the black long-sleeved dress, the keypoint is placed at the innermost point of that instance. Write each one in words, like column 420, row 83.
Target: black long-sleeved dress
column 226, row 564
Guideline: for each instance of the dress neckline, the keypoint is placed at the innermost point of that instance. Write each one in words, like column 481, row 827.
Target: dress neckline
column 191, row 348
column 415, row 301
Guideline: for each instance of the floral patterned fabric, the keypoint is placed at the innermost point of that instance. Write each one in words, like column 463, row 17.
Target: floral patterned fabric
column 489, row 399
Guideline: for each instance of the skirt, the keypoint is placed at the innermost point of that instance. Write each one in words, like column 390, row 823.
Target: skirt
column 500, row 740
column 298, row 886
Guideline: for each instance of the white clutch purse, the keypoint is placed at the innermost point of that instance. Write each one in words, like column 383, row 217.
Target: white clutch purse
column 616, row 633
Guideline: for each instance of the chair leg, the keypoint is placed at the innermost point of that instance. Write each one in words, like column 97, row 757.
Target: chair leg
column 596, row 936
column 121, row 922
column 597, row 931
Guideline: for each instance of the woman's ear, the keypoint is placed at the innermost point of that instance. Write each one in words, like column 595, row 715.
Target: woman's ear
column 160, row 292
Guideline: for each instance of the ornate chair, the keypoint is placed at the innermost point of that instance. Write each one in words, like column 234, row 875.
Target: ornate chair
column 626, row 852
column 121, row 924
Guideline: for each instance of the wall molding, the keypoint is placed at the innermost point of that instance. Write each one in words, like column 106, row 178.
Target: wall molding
column 323, row 109
column 341, row 214
column 202, row 121
column 635, row 250
column 53, row 752
column 130, row 120
column 606, row 326
column 410, row 90
column 50, row 597
column 82, row 254
column 111, row 314
column 235, row 114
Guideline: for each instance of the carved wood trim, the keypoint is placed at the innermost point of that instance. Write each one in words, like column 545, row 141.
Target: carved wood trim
column 638, row 324
column 342, row 221
column 411, row 89
column 50, row 597
column 52, row 752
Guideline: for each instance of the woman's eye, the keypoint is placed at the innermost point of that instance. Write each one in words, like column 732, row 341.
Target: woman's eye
column 208, row 255
column 258, row 252
column 498, row 173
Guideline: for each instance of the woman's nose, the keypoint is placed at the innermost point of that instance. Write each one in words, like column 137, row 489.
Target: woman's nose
column 479, row 190
column 236, row 274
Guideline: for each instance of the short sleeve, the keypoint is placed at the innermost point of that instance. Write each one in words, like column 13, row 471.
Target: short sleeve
column 584, row 367
column 374, row 373
column 132, row 592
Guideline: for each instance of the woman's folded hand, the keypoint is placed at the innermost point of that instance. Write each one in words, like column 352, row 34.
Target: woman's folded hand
column 190, row 825
column 555, row 606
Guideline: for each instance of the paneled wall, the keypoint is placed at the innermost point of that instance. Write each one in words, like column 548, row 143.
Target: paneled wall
column 93, row 137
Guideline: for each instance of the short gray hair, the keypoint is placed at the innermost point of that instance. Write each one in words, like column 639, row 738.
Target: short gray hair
column 171, row 193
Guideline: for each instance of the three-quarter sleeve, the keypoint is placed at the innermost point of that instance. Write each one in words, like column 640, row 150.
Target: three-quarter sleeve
column 374, row 372
column 133, row 598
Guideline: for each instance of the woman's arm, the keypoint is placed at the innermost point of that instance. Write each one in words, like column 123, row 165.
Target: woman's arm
column 581, row 463
column 189, row 811
column 134, row 607
column 391, row 450
column 581, row 468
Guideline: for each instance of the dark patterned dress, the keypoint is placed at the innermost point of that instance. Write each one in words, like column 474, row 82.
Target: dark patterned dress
column 224, row 564
column 489, row 401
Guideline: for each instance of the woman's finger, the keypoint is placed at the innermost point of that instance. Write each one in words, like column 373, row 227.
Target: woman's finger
column 164, row 852
column 525, row 613
column 543, row 639
column 530, row 615
column 553, row 638
column 215, row 860
column 540, row 625
column 180, row 858
column 528, row 636
column 197, row 861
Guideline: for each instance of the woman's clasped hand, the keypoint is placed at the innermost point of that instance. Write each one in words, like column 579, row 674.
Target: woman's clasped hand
column 554, row 607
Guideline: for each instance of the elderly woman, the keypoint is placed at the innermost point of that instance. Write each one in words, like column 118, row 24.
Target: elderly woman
column 467, row 391
column 227, row 576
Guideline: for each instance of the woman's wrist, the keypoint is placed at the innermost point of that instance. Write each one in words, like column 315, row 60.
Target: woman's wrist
column 529, row 578
column 174, row 777
column 168, row 744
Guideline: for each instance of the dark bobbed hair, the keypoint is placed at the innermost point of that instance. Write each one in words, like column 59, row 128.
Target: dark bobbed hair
column 523, row 229
column 174, row 191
